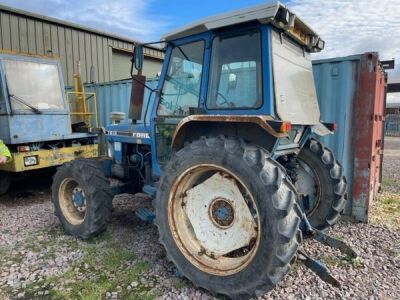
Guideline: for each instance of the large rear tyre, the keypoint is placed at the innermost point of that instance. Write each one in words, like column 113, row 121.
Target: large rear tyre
column 321, row 181
column 5, row 182
column 82, row 198
column 228, row 217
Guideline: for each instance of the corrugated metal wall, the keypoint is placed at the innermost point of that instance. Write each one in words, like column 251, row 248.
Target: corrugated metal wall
column 115, row 97
column 336, row 84
column 351, row 93
column 39, row 35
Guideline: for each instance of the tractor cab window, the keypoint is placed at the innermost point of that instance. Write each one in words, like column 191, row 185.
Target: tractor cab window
column 32, row 84
column 235, row 75
column 181, row 88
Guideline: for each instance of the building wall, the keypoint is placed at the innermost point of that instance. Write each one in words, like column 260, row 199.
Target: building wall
column 26, row 32
column 121, row 65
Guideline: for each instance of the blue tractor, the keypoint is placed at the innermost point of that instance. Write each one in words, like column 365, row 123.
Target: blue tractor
column 225, row 148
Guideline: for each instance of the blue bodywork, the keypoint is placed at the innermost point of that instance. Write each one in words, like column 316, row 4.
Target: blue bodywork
column 143, row 132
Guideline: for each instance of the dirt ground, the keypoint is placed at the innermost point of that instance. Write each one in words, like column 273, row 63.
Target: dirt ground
column 39, row 261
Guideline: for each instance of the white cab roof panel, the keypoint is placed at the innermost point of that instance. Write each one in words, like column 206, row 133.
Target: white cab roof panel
column 264, row 13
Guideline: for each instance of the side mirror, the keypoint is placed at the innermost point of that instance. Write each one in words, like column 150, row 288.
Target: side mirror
column 137, row 59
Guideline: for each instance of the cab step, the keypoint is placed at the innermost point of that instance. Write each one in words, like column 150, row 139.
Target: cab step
column 145, row 214
column 150, row 190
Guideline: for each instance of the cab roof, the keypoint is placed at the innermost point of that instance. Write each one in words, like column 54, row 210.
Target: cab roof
column 275, row 13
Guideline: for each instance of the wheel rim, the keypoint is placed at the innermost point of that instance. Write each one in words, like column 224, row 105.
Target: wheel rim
column 308, row 185
column 214, row 220
column 72, row 201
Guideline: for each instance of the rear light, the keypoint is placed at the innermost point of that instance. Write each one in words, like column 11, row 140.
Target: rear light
column 332, row 126
column 23, row 148
column 285, row 127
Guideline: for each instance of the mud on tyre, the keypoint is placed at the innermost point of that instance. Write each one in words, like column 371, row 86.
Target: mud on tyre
column 255, row 181
column 82, row 198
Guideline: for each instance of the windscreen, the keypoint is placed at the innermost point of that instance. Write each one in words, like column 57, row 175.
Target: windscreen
column 37, row 84
column 181, row 89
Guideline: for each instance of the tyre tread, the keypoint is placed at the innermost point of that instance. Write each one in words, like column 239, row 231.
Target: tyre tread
column 287, row 228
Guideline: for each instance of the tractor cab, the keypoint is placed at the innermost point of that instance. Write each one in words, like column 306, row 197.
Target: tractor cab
column 251, row 68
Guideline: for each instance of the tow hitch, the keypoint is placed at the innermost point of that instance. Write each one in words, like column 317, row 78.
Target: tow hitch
column 317, row 267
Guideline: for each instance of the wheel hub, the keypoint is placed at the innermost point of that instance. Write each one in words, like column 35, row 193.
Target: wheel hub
column 222, row 213
column 219, row 216
column 307, row 185
column 78, row 199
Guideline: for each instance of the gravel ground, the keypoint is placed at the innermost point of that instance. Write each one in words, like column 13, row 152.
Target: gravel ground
column 38, row 261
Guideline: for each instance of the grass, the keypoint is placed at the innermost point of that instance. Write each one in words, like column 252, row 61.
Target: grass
column 114, row 257
column 386, row 210
column 178, row 283
column 333, row 261
column 103, row 267
column 388, row 182
column 104, row 271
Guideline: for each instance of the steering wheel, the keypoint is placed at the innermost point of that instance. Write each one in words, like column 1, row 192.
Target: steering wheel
column 225, row 102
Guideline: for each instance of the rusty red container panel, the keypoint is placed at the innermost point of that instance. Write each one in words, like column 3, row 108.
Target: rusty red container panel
column 369, row 111
column 351, row 92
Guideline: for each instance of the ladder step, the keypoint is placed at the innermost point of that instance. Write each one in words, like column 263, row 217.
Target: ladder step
column 145, row 214
column 150, row 190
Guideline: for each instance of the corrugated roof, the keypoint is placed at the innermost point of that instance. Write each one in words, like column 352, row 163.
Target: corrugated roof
column 56, row 21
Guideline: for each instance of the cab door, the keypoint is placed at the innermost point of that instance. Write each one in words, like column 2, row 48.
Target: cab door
column 179, row 91
column 236, row 85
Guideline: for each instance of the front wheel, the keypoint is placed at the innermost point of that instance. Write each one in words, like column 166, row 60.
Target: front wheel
column 228, row 217
column 322, row 184
column 82, row 198
column 5, row 182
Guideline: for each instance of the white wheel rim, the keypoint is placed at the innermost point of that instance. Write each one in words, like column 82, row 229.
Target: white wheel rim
column 214, row 220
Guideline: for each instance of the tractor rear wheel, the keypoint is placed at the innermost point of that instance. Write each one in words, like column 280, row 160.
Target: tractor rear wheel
column 227, row 216
column 82, row 198
column 5, row 182
column 321, row 181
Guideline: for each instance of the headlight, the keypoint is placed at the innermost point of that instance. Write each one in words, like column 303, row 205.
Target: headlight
column 31, row 160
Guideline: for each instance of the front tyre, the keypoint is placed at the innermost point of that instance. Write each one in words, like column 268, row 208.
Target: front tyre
column 228, row 217
column 5, row 182
column 321, row 181
column 82, row 198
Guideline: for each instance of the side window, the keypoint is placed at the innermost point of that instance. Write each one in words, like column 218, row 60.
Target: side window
column 181, row 88
column 236, row 72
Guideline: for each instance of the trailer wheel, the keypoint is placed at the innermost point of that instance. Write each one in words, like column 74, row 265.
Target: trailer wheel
column 5, row 182
column 82, row 198
column 228, row 217
column 321, row 181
